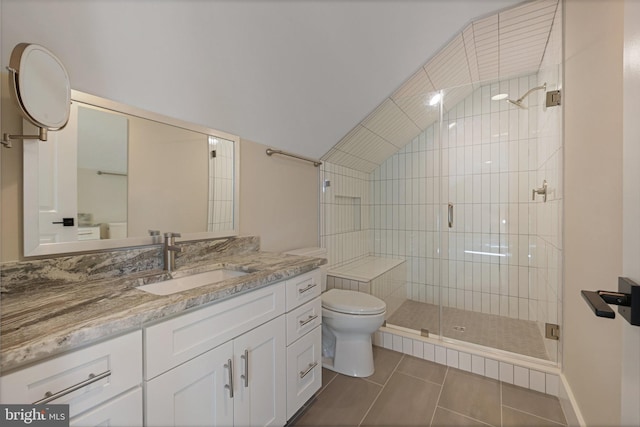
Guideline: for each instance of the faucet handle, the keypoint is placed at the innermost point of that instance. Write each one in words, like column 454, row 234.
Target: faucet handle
column 172, row 234
column 153, row 233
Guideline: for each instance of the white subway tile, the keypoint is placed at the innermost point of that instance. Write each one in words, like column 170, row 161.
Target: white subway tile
column 552, row 384
column 537, row 381
column 491, row 369
column 407, row 345
column 506, row 372
column 464, row 361
column 397, row 343
column 429, row 352
column 441, row 355
column 418, row 349
column 452, row 358
column 477, row 364
column 388, row 340
column 521, row 376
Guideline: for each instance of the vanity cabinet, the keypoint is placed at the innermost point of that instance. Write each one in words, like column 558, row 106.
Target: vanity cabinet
column 246, row 360
column 220, row 365
column 304, row 337
column 100, row 383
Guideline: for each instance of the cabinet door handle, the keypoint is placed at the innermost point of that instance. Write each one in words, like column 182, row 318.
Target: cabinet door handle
column 49, row 396
column 450, row 215
column 309, row 319
column 309, row 369
column 245, row 377
column 308, row 288
column 229, row 386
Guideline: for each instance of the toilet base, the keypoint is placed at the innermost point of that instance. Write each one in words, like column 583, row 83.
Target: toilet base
column 354, row 357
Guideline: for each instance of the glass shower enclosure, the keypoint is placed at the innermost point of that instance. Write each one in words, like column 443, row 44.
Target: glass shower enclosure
column 473, row 204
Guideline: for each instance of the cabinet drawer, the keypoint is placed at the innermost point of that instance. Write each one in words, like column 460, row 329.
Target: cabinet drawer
column 88, row 233
column 182, row 338
column 303, row 319
column 83, row 378
column 304, row 370
column 123, row 411
column 303, row 288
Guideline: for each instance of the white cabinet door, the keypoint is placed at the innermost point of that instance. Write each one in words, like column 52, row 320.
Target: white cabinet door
column 261, row 396
column 195, row 393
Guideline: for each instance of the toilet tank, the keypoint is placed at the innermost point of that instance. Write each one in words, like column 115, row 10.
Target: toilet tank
column 314, row 252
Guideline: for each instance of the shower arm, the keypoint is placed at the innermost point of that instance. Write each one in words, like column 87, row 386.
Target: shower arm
column 527, row 93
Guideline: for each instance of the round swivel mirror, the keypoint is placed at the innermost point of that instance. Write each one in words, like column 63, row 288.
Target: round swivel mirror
column 41, row 87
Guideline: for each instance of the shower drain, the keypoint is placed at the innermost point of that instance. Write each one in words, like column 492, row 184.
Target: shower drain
column 459, row 328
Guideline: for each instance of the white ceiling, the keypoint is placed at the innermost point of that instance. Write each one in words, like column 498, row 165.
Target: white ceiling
column 502, row 45
column 295, row 75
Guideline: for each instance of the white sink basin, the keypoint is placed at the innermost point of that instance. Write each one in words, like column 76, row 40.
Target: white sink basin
column 185, row 283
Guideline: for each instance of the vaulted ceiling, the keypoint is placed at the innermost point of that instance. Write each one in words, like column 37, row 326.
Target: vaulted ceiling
column 502, row 45
column 294, row 75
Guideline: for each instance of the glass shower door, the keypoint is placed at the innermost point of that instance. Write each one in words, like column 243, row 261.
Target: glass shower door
column 490, row 274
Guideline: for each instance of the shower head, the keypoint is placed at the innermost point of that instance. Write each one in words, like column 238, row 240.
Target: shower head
column 518, row 102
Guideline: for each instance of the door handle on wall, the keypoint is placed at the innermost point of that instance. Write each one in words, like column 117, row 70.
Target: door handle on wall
column 627, row 299
column 450, row 215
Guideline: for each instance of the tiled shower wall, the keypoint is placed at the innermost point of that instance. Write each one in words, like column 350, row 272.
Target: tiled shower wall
column 221, row 189
column 487, row 173
column 344, row 211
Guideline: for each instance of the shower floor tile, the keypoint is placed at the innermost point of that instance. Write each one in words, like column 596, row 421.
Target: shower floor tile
column 504, row 333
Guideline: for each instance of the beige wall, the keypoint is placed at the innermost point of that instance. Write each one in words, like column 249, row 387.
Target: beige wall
column 593, row 202
column 10, row 180
column 278, row 199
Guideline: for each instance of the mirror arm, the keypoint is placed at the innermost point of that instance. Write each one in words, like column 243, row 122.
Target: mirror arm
column 6, row 138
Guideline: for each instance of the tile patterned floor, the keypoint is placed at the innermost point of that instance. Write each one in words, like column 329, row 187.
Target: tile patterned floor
column 406, row 391
column 490, row 330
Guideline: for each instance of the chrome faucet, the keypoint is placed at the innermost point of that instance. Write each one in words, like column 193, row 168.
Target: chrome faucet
column 169, row 250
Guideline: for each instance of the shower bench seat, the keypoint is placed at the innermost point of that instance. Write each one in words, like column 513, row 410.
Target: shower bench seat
column 384, row 278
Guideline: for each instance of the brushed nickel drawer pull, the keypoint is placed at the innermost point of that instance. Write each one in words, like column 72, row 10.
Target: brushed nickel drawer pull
column 245, row 376
column 309, row 369
column 309, row 319
column 308, row 288
column 49, row 396
column 230, row 385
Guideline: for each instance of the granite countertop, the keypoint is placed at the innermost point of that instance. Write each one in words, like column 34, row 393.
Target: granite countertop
column 57, row 315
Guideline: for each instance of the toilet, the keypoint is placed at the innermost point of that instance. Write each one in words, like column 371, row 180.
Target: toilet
column 348, row 320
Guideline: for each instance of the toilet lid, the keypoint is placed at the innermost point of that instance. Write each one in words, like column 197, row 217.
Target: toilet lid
column 352, row 302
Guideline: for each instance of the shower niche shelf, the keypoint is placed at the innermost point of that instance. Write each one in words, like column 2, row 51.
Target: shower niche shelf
column 350, row 213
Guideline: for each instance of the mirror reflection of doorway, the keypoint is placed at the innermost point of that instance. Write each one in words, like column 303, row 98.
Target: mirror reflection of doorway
column 102, row 174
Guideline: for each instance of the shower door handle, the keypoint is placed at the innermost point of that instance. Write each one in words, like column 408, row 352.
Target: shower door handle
column 450, row 215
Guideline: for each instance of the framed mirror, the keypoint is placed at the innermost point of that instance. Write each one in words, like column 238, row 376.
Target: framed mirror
column 116, row 172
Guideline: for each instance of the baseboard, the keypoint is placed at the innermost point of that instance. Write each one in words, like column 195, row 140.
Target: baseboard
column 569, row 405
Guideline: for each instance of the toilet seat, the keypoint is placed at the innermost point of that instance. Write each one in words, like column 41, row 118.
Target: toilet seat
column 352, row 302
